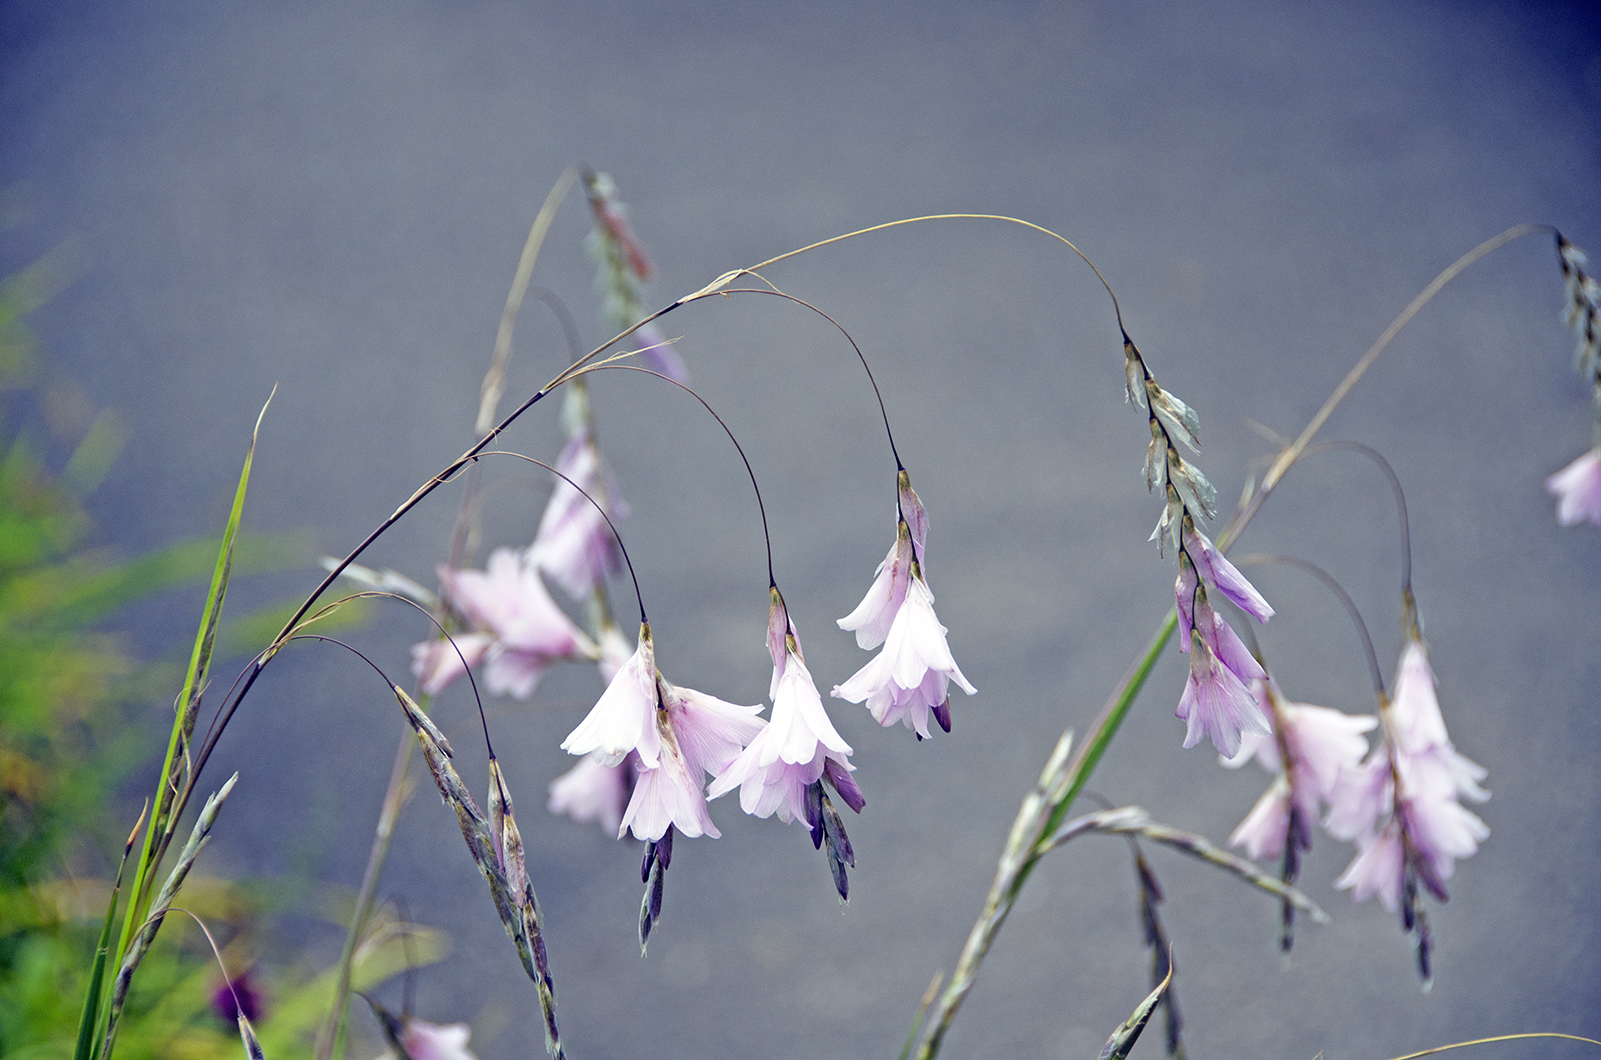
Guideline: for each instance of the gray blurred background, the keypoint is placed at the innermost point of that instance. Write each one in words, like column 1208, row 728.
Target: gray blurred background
column 333, row 198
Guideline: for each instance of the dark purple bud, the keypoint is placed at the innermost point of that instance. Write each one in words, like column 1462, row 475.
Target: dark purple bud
column 942, row 714
column 845, row 784
column 814, row 810
column 839, row 844
column 664, row 848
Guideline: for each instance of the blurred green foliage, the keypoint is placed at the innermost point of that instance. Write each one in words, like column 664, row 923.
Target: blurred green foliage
column 76, row 716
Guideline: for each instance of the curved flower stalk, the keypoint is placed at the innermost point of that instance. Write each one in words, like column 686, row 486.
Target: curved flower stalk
column 783, row 767
column 518, row 631
column 1402, row 806
column 1216, row 701
column 621, row 268
column 911, row 677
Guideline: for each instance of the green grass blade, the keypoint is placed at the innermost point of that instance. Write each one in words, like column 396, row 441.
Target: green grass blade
column 89, row 1020
column 1100, row 737
column 164, row 818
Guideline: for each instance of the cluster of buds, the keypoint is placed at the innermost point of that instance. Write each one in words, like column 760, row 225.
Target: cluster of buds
column 1577, row 487
column 1217, row 700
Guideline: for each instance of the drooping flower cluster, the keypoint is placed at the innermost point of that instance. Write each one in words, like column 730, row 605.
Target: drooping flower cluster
column 911, row 677
column 1577, row 487
column 676, row 736
column 799, row 742
column 1217, row 702
column 784, row 768
column 622, row 266
column 1309, row 749
column 1402, row 806
column 516, row 629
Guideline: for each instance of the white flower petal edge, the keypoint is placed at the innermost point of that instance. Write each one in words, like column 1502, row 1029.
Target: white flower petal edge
column 622, row 720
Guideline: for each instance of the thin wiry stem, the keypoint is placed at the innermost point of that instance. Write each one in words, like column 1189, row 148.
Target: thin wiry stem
column 1497, row 1038
column 1116, row 309
column 1395, row 487
column 760, row 506
column 1289, row 456
column 495, row 378
column 618, row 537
column 1257, row 560
column 860, row 356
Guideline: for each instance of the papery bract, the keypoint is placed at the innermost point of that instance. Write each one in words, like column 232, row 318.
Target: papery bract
column 657, row 354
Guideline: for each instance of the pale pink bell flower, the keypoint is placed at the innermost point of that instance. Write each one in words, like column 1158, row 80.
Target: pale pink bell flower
column 1321, row 742
column 1402, row 806
column 789, row 754
column 591, row 791
column 1216, row 703
column 623, row 719
column 1215, row 569
column 431, row 1041
column 911, row 677
column 507, row 602
column 1577, row 489
column 574, row 546
column 698, row 734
